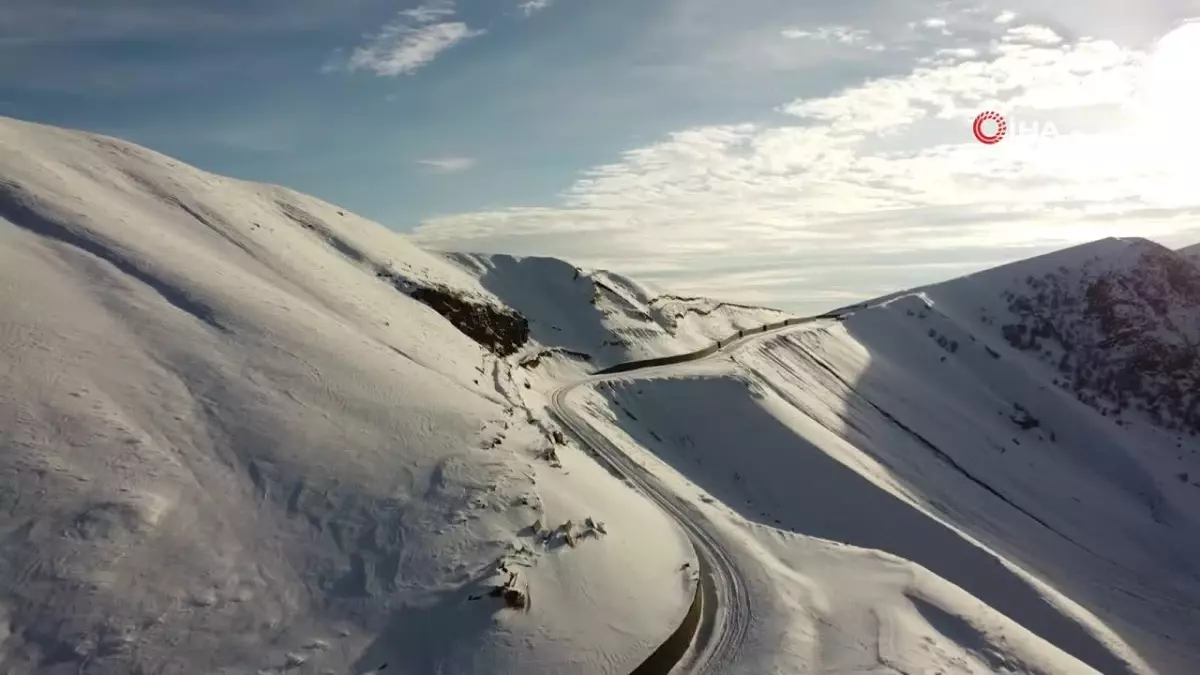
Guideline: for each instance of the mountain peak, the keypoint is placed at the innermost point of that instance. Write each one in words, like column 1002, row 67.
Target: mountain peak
column 1118, row 318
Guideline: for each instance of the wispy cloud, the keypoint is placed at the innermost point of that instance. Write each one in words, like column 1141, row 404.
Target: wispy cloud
column 838, row 34
column 532, row 6
column 933, row 25
column 430, row 12
column 417, row 37
column 881, row 169
column 1005, row 17
column 1040, row 35
column 447, row 164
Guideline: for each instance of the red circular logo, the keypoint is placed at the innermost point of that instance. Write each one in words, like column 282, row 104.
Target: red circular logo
column 984, row 137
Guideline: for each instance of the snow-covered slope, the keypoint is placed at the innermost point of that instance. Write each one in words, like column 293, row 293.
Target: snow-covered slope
column 602, row 318
column 848, row 573
column 241, row 429
column 932, row 427
column 1118, row 319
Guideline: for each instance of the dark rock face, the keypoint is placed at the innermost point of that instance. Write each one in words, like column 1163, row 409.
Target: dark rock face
column 515, row 599
column 1124, row 338
column 534, row 360
column 501, row 330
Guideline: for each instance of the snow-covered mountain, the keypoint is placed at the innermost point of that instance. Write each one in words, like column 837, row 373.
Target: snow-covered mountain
column 241, row 428
column 1027, row 433
column 245, row 431
column 1118, row 319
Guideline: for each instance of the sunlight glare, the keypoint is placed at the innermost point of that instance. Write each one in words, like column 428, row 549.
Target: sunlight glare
column 1168, row 138
column 1172, row 97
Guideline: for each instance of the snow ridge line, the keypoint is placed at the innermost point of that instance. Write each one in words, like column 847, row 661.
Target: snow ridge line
column 717, row 346
column 953, row 464
column 29, row 213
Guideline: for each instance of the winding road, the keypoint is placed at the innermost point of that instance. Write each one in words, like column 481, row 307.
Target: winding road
column 726, row 608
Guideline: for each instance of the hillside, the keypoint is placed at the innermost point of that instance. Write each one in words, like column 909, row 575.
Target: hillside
column 1119, row 320
column 1191, row 253
column 1026, row 433
column 243, row 430
column 598, row 318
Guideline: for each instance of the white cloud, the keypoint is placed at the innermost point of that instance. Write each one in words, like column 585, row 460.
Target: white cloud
column 935, row 24
column 417, row 37
column 960, row 52
column 531, row 6
column 1005, row 17
column 837, row 34
column 447, row 164
column 430, row 12
column 885, row 172
column 1038, row 35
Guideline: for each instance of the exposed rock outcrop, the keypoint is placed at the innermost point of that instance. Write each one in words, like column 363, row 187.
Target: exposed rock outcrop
column 501, row 330
column 1125, row 337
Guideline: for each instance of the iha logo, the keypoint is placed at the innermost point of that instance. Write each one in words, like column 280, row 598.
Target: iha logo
column 989, row 127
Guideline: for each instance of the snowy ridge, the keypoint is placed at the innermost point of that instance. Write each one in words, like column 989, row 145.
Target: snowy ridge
column 922, row 427
column 1071, row 369
column 1120, row 320
column 246, row 431
column 846, row 609
column 601, row 318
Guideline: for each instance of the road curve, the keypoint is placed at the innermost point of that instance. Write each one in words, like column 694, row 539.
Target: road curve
column 726, row 609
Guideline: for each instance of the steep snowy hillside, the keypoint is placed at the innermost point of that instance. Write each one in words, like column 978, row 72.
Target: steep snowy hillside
column 1026, row 434
column 601, row 318
column 244, row 431
column 1118, row 319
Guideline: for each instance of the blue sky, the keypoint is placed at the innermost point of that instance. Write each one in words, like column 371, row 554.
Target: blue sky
column 801, row 154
